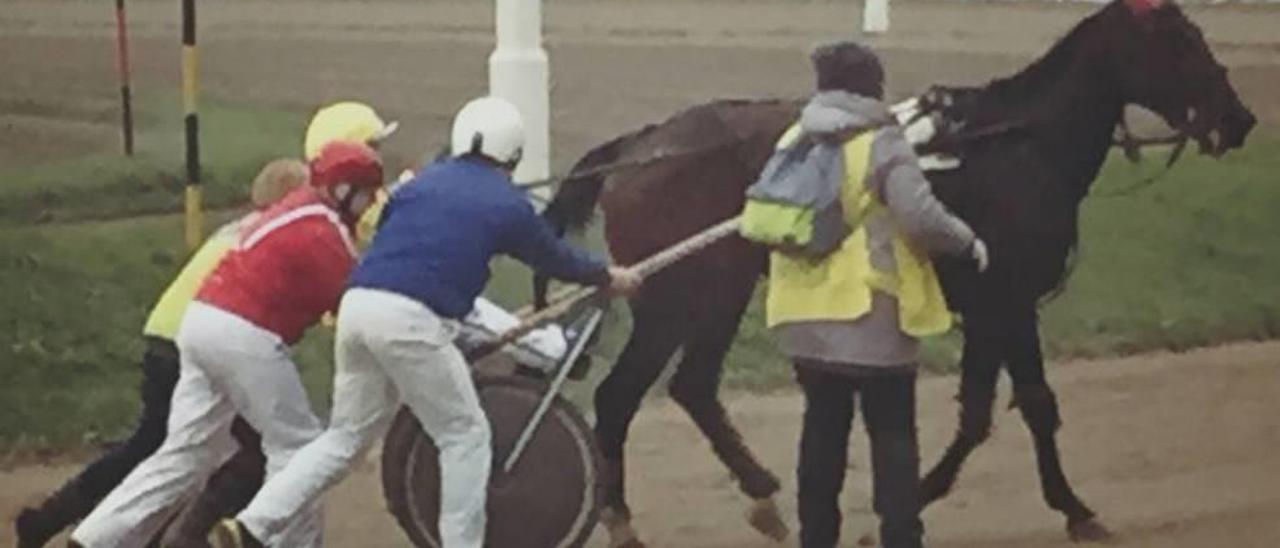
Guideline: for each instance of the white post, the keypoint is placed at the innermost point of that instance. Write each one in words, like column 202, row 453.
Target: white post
column 518, row 73
column 875, row 16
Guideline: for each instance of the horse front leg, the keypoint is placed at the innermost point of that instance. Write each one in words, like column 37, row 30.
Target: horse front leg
column 980, row 368
column 1039, row 409
column 653, row 341
column 695, row 387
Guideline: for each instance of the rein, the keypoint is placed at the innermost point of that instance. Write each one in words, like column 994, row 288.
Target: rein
column 1126, row 141
column 609, row 168
column 1132, row 147
column 612, row 167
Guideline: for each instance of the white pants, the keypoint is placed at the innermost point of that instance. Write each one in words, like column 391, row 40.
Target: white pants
column 229, row 367
column 391, row 349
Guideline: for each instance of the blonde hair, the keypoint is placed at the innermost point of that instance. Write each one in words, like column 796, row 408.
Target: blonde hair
column 276, row 179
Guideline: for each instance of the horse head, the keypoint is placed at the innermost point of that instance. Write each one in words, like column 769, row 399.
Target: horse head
column 1163, row 63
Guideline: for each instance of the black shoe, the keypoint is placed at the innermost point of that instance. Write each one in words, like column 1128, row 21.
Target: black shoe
column 32, row 529
column 35, row 526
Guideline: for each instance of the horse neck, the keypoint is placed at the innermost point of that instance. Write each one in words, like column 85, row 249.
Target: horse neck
column 1076, row 123
column 1070, row 107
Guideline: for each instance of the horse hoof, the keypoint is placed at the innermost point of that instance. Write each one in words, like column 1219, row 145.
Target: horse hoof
column 621, row 534
column 1088, row 530
column 765, row 518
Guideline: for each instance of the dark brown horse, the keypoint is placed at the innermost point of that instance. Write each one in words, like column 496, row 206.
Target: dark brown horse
column 1032, row 144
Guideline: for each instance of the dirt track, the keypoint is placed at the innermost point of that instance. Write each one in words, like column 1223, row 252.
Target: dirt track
column 1174, row 451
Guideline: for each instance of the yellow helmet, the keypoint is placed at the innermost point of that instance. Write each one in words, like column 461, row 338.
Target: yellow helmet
column 345, row 121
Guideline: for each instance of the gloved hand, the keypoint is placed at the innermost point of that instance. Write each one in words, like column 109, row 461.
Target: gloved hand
column 978, row 252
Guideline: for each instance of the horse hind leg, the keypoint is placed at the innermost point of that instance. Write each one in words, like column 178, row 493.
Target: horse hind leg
column 1039, row 408
column 695, row 387
column 980, row 368
column 654, row 339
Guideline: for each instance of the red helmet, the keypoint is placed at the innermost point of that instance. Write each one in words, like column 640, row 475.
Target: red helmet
column 341, row 171
column 342, row 168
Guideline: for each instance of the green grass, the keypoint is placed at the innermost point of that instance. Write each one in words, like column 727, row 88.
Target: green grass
column 1189, row 261
column 235, row 143
column 74, row 298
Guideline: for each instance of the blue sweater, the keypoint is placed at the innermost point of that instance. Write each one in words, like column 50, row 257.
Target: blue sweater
column 439, row 231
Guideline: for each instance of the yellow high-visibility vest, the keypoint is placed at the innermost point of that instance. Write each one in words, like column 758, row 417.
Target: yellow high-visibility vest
column 367, row 226
column 840, row 285
column 166, row 316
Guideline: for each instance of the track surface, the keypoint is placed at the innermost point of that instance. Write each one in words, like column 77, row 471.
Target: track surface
column 1173, row 450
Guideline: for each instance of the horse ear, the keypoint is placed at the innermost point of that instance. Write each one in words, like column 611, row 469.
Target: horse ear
column 1142, row 7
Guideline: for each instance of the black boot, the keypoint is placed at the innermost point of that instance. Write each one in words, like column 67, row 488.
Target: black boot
column 35, row 526
column 32, row 529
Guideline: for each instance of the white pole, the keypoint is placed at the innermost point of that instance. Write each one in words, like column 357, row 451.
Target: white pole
column 875, row 16
column 518, row 73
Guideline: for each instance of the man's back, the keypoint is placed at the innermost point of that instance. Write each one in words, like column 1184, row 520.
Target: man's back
column 288, row 268
column 440, row 230
column 437, row 234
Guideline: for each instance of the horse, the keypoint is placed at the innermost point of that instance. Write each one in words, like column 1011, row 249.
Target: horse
column 1030, row 145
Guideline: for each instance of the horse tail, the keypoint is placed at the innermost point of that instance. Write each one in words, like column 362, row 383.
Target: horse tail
column 573, row 207
column 574, row 204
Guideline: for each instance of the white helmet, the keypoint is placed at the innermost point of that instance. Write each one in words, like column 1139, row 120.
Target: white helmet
column 490, row 126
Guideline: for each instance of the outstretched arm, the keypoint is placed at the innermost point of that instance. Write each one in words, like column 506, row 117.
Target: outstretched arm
column 531, row 241
column 906, row 193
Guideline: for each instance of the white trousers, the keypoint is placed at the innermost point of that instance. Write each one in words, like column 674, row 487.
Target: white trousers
column 229, row 367
column 391, row 349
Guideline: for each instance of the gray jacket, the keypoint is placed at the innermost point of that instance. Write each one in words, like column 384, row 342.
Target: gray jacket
column 911, row 210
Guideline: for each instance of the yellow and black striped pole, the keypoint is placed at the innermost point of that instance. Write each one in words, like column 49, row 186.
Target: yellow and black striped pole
column 194, row 217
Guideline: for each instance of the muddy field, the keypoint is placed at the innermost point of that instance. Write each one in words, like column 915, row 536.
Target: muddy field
column 1173, row 451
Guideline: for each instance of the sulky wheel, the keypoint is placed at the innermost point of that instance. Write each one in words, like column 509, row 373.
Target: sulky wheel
column 549, row 500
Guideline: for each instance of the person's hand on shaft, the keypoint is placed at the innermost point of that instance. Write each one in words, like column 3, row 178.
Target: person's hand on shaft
column 624, row 281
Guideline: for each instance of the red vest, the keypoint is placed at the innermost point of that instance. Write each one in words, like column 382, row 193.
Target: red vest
column 289, row 268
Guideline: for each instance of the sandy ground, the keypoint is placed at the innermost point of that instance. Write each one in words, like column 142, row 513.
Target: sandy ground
column 1173, row 451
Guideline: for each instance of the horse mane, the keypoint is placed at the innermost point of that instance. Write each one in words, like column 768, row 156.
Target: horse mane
column 1045, row 71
